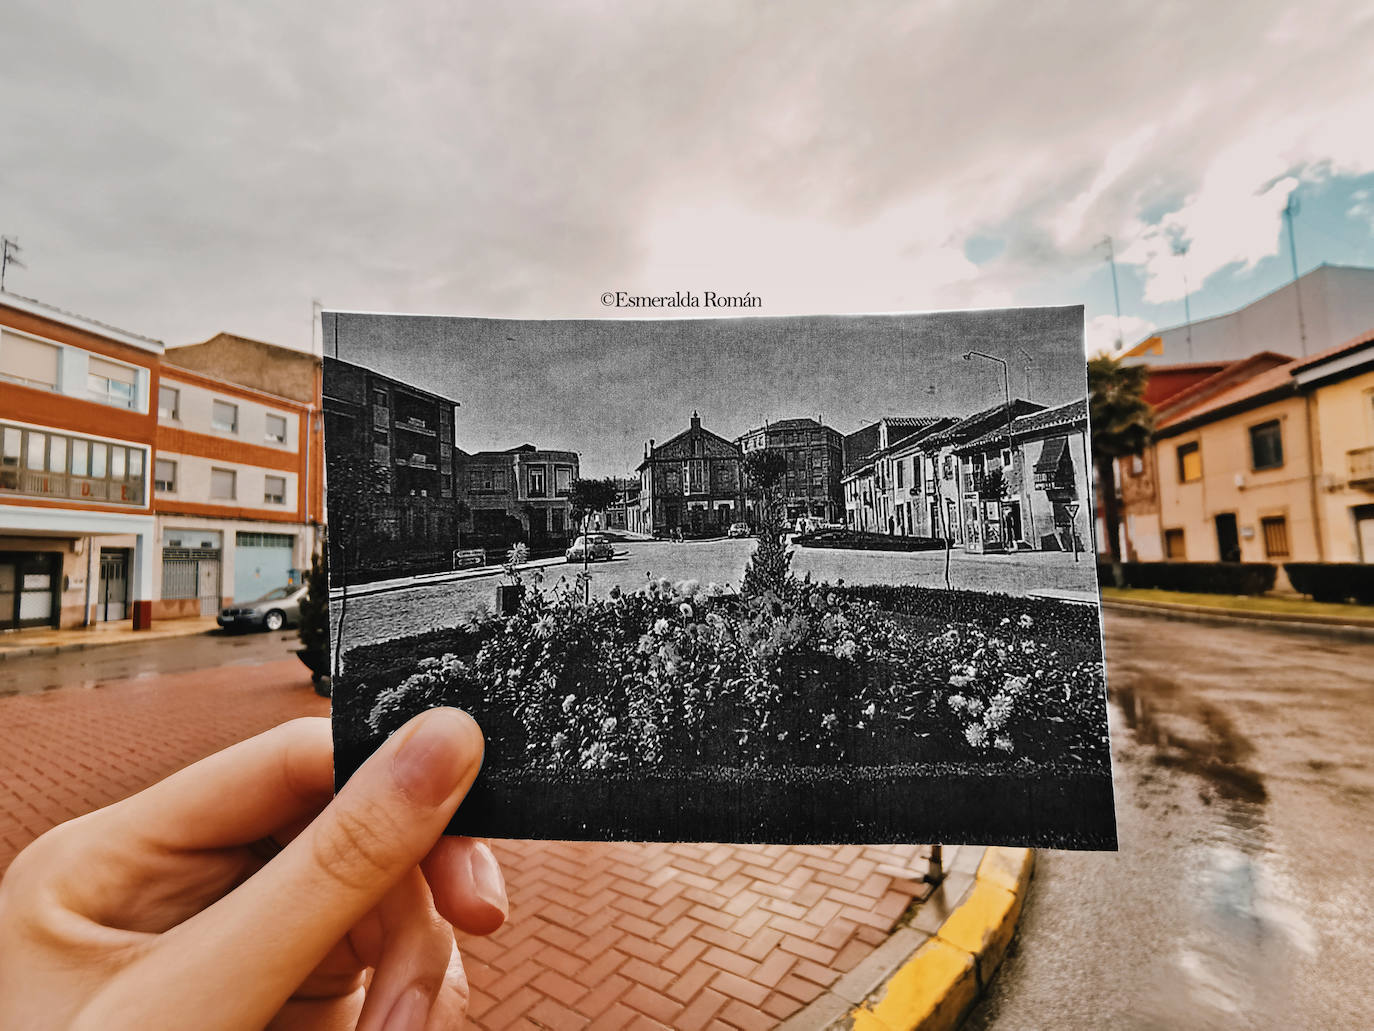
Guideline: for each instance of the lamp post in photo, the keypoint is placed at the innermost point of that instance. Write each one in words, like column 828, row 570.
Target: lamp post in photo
column 1006, row 393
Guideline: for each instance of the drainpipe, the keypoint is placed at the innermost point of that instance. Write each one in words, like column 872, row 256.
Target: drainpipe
column 1314, row 456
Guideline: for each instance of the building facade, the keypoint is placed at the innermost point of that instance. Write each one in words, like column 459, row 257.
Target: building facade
column 693, row 483
column 77, row 429
column 870, row 472
column 814, row 454
column 395, row 442
column 231, row 482
column 517, row 495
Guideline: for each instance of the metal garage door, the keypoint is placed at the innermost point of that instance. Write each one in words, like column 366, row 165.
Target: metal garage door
column 192, row 573
column 262, row 562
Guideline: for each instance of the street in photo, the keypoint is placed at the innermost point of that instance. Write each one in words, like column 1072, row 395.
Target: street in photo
column 797, row 580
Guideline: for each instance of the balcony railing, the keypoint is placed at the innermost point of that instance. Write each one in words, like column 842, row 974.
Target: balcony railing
column 1361, row 466
column 73, row 488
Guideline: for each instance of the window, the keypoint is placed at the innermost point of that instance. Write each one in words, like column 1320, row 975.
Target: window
column 1189, row 463
column 29, row 362
column 168, row 403
column 1137, row 465
column 538, row 484
column 110, row 383
column 562, row 480
column 224, row 417
column 1266, row 445
column 381, row 454
column 1173, row 544
column 1006, row 458
column 900, row 463
column 276, row 428
column 274, row 491
column 165, row 476
column 223, row 485
column 1275, row 529
column 46, row 464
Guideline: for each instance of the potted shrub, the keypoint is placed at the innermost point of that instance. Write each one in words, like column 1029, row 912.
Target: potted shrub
column 509, row 595
column 313, row 629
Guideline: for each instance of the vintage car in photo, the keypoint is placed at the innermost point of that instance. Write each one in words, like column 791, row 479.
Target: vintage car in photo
column 590, row 548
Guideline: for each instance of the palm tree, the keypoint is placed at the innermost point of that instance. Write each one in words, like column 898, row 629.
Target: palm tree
column 1122, row 421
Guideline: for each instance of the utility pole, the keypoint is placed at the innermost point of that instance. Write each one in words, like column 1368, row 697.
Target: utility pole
column 1289, row 210
column 1180, row 249
column 1116, row 291
column 9, row 251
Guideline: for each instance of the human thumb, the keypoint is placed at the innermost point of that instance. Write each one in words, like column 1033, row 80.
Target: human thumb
column 281, row 922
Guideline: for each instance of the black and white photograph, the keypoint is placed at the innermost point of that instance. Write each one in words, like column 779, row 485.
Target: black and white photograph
column 802, row 579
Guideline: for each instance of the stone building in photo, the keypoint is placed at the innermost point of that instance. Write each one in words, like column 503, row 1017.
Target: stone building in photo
column 517, row 494
column 815, row 457
column 694, row 483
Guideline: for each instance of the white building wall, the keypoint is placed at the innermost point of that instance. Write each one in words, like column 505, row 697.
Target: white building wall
column 195, row 411
column 193, row 478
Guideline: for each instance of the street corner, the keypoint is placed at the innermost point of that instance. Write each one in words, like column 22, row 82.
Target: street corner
column 937, row 986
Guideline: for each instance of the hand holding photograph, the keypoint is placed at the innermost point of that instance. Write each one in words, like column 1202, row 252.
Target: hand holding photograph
column 797, row 579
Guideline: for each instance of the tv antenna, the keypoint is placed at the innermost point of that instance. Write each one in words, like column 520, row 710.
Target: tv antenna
column 1180, row 249
column 9, row 255
column 1289, row 210
column 1116, row 291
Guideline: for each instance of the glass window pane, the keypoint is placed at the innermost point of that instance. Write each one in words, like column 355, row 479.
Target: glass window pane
column 99, row 455
column 37, row 456
column 57, row 455
column 135, row 462
column 168, row 399
column 80, row 457
column 13, row 438
column 117, row 463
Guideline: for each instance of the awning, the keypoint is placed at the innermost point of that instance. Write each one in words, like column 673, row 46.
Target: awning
column 1054, row 452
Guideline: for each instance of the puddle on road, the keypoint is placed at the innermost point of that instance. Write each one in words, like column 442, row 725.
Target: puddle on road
column 1243, row 936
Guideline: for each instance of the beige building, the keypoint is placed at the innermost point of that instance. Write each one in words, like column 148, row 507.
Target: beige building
column 1276, row 468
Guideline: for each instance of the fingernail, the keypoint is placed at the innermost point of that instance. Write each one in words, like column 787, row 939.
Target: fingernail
column 436, row 755
column 409, row 1012
column 487, row 879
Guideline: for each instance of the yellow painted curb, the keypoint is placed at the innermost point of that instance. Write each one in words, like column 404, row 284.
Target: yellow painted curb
column 938, row 985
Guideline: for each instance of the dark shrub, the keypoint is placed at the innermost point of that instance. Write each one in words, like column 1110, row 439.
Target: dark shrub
column 867, row 541
column 1333, row 581
column 1195, row 577
column 1050, row 617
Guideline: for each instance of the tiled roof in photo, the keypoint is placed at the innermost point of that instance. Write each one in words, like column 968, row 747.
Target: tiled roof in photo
column 64, row 314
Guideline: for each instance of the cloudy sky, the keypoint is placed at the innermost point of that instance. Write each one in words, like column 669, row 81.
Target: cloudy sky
column 180, row 169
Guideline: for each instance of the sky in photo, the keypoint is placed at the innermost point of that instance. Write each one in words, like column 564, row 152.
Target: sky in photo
column 183, row 169
column 604, row 387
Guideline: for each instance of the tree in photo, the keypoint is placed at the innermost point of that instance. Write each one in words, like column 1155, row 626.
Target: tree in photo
column 586, row 497
column 767, row 568
column 1122, row 421
column 354, row 482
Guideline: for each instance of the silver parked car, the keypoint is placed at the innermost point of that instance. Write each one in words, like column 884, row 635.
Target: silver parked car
column 274, row 610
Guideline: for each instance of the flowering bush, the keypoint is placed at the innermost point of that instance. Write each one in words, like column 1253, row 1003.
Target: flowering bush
column 688, row 674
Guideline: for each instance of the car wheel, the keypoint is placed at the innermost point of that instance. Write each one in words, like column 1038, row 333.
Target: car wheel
column 274, row 620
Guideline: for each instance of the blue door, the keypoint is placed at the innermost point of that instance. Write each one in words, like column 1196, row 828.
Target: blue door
column 262, row 562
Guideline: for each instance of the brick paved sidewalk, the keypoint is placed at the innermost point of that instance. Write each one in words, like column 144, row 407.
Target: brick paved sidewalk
column 604, row 936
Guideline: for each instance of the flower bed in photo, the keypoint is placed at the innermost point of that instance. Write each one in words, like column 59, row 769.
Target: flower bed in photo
column 685, row 676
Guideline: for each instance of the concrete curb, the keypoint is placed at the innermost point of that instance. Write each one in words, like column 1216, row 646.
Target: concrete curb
column 1356, row 628
column 21, row 651
column 939, row 983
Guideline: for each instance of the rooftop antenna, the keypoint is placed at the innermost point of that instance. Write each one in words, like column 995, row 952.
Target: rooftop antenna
column 1116, row 291
column 1289, row 210
column 9, row 251
column 1180, row 249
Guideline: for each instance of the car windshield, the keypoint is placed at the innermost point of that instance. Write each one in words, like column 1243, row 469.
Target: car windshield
column 280, row 594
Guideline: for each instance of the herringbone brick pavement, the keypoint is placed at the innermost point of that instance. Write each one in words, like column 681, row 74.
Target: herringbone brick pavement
column 601, row 935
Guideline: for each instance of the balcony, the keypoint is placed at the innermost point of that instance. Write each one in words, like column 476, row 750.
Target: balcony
column 72, row 488
column 1361, row 467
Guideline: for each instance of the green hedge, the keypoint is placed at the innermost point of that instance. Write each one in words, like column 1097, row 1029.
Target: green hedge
column 1196, row 577
column 1333, row 581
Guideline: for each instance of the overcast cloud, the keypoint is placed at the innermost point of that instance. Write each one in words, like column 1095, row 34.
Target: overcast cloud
column 186, row 168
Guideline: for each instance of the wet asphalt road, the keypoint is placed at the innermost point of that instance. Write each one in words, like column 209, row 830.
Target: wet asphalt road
column 26, row 674
column 1243, row 892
